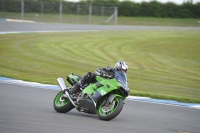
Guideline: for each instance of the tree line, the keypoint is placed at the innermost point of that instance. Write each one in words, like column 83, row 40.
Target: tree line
column 125, row 8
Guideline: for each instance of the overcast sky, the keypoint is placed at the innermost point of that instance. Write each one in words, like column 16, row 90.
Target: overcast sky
column 163, row 1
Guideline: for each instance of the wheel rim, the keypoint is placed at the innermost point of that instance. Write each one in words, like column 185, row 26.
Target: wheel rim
column 107, row 110
column 59, row 101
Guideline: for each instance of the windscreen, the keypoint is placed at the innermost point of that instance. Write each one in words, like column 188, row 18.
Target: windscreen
column 121, row 77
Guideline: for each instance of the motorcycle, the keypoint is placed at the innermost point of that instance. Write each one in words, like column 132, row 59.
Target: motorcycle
column 104, row 98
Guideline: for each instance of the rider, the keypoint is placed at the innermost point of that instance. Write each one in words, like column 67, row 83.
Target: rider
column 107, row 72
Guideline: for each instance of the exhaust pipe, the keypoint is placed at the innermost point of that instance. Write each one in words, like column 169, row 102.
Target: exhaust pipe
column 62, row 84
column 63, row 87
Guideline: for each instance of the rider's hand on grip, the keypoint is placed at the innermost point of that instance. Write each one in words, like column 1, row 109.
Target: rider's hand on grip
column 98, row 72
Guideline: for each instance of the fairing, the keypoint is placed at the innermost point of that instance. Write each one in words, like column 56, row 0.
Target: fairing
column 121, row 77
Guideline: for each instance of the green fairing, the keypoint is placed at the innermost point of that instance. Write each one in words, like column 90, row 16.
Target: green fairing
column 112, row 83
column 72, row 76
column 109, row 85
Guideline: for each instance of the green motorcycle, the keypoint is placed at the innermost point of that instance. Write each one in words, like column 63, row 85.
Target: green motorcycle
column 104, row 98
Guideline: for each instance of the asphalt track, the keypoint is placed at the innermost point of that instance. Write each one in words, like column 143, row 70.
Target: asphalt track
column 30, row 110
column 35, row 27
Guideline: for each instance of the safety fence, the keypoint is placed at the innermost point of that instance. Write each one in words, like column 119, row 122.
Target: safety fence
column 63, row 12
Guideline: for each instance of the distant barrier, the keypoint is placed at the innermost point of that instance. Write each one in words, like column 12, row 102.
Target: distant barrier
column 63, row 12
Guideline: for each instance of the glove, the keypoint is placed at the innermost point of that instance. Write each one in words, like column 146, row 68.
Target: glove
column 110, row 69
column 105, row 72
column 98, row 72
column 101, row 72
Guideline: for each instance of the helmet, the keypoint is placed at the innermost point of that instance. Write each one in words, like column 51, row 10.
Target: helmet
column 121, row 65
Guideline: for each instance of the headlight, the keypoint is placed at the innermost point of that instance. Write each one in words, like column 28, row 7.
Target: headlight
column 124, row 86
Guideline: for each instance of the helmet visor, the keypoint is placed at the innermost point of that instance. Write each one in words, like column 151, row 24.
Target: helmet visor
column 124, row 70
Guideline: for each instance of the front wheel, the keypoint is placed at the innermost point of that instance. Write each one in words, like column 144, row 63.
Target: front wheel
column 108, row 112
column 62, row 105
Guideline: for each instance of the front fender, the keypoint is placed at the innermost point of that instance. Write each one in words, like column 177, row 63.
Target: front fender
column 112, row 96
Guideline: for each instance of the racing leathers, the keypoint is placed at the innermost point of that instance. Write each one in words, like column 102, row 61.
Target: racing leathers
column 90, row 77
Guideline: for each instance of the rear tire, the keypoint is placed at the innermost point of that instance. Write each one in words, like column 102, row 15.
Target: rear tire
column 111, row 111
column 62, row 105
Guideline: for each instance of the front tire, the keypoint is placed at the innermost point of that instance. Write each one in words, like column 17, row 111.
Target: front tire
column 62, row 105
column 111, row 111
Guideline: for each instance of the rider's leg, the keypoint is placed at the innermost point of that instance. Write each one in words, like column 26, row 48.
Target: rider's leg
column 75, row 89
column 87, row 79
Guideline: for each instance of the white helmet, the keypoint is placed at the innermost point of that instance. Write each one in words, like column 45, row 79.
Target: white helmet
column 121, row 65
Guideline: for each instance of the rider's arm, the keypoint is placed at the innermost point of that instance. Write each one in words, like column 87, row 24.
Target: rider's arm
column 106, row 72
column 108, row 69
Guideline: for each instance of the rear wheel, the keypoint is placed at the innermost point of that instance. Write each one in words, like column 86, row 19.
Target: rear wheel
column 62, row 105
column 108, row 112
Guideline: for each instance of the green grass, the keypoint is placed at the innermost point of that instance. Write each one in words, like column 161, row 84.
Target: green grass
column 83, row 19
column 162, row 64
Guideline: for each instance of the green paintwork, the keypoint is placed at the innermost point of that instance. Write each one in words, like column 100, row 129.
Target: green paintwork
column 73, row 77
column 106, row 86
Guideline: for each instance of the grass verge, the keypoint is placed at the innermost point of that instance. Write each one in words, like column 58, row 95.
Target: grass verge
column 162, row 64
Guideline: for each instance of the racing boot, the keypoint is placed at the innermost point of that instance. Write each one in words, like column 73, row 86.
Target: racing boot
column 74, row 89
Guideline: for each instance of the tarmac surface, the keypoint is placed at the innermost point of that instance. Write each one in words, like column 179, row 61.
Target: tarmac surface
column 35, row 27
column 30, row 110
